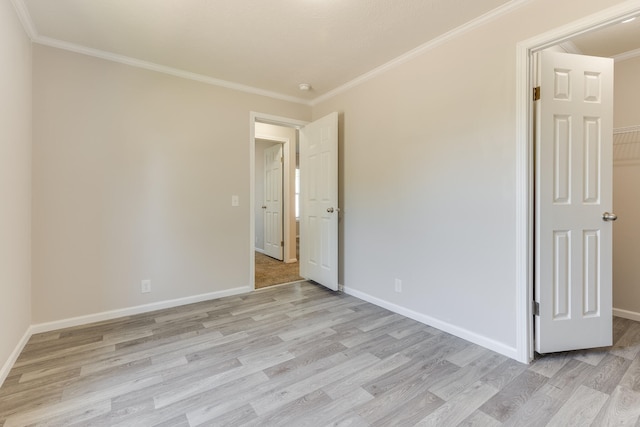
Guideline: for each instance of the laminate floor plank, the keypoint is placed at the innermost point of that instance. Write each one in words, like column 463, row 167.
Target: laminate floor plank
column 301, row 355
column 515, row 394
column 581, row 408
column 622, row 409
column 608, row 373
column 461, row 406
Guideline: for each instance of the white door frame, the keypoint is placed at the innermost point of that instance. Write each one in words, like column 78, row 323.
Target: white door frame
column 525, row 156
column 274, row 120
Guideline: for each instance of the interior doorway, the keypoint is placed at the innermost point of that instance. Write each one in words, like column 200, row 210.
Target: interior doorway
column 525, row 160
column 269, row 132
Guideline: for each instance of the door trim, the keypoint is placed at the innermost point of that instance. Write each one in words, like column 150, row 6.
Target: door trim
column 525, row 156
column 274, row 120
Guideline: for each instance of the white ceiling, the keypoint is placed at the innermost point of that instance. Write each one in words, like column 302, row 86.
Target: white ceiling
column 272, row 46
column 615, row 40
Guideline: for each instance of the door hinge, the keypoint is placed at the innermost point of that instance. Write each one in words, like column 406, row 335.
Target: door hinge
column 536, row 308
column 536, row 93
column 281, row 159
column 282, row 243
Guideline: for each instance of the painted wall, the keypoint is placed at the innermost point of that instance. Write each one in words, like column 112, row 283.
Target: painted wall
column 428, row 175
column 626, row 203
column 626, row 110
column 15, row 183
column 133, row 177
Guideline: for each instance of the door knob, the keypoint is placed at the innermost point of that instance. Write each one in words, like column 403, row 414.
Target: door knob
column 330, row 210
column 264, row 206
column 609, row 216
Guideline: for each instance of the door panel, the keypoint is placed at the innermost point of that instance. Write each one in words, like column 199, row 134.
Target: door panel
column 573, row 254
column 319, row 201
column 273, row 234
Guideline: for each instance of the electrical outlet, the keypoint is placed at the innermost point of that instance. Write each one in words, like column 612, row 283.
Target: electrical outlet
column 145, row 286
column 235, row 200
column 398, row 285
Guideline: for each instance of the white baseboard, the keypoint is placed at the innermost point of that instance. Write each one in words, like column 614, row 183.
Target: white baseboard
column 114, row 314
column 260, row 250
column 626, row 314
column 465, row 334
column 4, row 372
column 108, row 315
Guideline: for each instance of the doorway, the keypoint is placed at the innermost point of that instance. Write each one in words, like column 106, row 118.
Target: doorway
column 276, row 258
column 271, row 131
column 525, row 161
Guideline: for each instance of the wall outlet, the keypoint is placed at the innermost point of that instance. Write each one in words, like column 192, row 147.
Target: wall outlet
column 235, row 200
column 398, row 285
column 145, row 286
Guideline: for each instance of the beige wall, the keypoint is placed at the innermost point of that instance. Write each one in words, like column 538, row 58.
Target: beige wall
column 626, row 110
column 626, row 203
column 133, row 177
column 15, row 183
column 428, row 175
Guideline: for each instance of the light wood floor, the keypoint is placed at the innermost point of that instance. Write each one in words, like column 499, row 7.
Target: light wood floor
column 298, row 355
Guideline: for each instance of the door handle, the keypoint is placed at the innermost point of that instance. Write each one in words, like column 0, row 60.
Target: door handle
column 264, row 206
column 330, row 210
column 609, row 216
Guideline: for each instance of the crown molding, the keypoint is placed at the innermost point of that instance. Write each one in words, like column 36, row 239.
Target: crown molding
column 570, row 47
column 31, row 31
column 432, row 44
column 25, row 18
column 626, row 55
column 626, row 129
column 27, row 23
column 122, row 59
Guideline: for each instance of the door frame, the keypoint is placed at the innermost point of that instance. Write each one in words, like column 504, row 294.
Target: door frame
column 255, row 117
column 525, row 155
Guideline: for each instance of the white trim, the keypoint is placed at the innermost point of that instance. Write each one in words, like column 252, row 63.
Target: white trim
column 570, row 47
column 27, row 23
column 626, row 314
column 109, row 315
column 114, row 314
column 72, row 47
column 277, row 120
column 524, row 206
column 524, row 156
column 260, row 250
column 626, row 129
column 626, row 55
column 280, row 284
column 465, row 334
column 6, row 368
column 25, row 18
column 431, row 44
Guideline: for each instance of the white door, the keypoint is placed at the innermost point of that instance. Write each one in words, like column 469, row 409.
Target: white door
column 573, row 254
column 319, row 201
column 273, row 240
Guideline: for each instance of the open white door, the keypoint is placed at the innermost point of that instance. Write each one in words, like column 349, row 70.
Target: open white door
column 273, row 240
column 319, row 201
column 573, row 254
